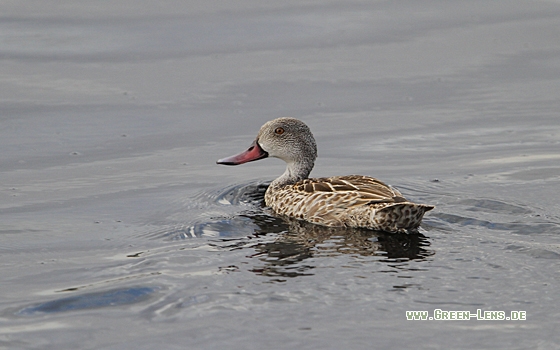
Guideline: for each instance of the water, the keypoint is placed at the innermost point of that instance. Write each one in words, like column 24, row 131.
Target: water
column 118, row 230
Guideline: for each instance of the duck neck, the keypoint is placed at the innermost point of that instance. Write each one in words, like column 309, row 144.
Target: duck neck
column 294, row 172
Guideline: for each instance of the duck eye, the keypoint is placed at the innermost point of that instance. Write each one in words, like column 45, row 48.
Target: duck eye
column 279, row 131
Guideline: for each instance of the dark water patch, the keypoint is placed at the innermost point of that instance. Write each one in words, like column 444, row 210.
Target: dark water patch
column 111, row 298
column 18, row 232
column 408, row 285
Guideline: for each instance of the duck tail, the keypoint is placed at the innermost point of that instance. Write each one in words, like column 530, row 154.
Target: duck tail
column 401, row 217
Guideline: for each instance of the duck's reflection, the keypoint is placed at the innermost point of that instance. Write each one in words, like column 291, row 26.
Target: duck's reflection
column 300, row 240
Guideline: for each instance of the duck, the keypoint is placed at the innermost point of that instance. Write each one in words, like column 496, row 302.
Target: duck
column 355, row 201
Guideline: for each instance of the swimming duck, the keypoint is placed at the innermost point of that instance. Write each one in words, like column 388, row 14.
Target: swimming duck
column 352, row 200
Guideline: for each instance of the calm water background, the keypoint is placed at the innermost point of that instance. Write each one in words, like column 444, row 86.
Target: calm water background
column 118, row 231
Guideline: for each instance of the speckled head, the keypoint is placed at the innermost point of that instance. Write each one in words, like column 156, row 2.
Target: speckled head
column 286, row 138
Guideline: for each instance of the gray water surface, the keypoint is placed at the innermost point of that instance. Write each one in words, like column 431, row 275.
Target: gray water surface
column 119, row 231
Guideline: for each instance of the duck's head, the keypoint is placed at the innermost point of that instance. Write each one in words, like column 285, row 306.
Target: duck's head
column 286, row 138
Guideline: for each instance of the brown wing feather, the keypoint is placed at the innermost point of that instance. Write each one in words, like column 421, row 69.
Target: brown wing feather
column 363, row 189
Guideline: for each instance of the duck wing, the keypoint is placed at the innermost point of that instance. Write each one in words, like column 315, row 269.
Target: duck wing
column 363, row 189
